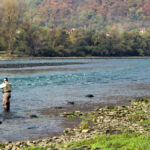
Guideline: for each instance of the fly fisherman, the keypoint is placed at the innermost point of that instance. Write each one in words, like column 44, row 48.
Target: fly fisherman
column 6, row 90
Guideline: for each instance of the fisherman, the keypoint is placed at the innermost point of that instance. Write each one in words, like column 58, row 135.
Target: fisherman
column 6, row 90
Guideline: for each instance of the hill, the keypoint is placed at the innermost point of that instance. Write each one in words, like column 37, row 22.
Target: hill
column 127, row 14
column 74, row 27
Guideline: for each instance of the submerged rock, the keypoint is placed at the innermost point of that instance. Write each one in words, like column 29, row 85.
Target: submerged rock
column 59, row 107
column 90, row 95
column 71, row 102
column 33, row 116
column 31, row 127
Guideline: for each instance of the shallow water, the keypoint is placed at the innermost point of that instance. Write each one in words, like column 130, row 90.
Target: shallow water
column 109, row 80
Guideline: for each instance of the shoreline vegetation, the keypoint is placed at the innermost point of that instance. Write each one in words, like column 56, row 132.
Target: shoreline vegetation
column 67, row 58
column 90, row 32
column 109, row 127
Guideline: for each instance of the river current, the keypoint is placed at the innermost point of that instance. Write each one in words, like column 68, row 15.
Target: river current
column 39, row 87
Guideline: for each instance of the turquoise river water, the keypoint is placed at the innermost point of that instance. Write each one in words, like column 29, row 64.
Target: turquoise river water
column 34, row 88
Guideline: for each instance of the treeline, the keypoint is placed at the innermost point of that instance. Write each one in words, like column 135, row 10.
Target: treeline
column 22, row 34
column 37, row 41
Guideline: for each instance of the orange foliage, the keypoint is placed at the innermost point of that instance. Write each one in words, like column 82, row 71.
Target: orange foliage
column 66, row 8
column 147, row 8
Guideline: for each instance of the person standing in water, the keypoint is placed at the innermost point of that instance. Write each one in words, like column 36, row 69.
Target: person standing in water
column 6, row 90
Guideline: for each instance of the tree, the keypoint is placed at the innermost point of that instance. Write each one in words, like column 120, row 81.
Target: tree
column 12, row 18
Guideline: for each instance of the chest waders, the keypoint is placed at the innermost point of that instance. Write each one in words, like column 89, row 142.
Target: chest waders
column 6, row 97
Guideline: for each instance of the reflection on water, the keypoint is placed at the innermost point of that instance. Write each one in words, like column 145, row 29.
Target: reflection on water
column 110, row 80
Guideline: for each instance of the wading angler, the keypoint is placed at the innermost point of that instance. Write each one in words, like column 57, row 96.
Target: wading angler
column 6, row 90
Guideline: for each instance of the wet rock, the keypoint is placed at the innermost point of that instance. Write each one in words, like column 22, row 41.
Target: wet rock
column 145, row 100
column 14, row 148
column 59, row 107
column 31, row 128
column 111, row 132
column 90, row 95
column 107, row 120
column 29, row 143
column 67, row 130
column 82, row 148
column 71, row 102
column 78, row 113
column 55, row 138
column 124, row 107
column 110, row 107
column 8, row 147
column 65, row 114
column 33, row 116
column 85, row 131
column 18, row 143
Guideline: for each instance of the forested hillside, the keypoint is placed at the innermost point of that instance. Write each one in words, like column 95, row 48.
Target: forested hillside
column 128, row 14
column 75, row 27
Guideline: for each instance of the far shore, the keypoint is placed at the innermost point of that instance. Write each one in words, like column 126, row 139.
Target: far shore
column 88, row 57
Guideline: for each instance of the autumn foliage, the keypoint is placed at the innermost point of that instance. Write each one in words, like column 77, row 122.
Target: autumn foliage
column 75, row 27
column 93, row 13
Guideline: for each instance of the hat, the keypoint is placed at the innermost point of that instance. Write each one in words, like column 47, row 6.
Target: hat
column 6, row 79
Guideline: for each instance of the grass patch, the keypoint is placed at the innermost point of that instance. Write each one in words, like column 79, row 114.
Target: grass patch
column 141, row 112
column 38, row 148
column 2, row 52
column 34, row 148
column 83, row 117
column 87, row 121
column 115, row 142
column 145, row 100
column 146, row 122
column 72, row 116
column 1, row 145
column 136, row 117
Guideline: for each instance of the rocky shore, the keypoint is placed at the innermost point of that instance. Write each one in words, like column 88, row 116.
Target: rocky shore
column 108, row 120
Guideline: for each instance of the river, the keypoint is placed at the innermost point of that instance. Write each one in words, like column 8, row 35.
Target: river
column 58, row 81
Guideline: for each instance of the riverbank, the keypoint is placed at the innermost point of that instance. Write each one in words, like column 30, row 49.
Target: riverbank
column 132, row 121
column 61, row 58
